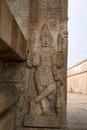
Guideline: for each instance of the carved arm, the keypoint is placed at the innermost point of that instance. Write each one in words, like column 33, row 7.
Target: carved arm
column 36, row 59
column 30, row 60
column 60, row 60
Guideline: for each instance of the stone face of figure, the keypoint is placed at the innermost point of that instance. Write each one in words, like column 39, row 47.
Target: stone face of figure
column 45, row 37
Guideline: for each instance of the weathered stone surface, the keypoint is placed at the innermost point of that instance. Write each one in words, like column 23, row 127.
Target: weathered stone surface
column 20, row 10
column 42, row 121
column 12, row 72
column 7, row 120
column 8, row 97
column 47, row 64
column 41, row 80
column 12, row 41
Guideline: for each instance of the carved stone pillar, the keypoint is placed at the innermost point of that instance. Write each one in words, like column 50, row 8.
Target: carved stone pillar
column 47, row 64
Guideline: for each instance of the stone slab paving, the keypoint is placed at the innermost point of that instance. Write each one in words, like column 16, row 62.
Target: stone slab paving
column 77, row 111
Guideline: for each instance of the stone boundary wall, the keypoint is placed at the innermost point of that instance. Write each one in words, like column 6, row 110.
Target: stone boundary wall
column 77, row 78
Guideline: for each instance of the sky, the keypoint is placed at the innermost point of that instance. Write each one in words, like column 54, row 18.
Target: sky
column 77, row 28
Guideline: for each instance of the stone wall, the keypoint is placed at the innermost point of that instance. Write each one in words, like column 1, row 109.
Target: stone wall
column 77, row 78
column 20, row 10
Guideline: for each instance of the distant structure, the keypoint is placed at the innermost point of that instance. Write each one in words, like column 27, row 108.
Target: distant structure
column 77, row 78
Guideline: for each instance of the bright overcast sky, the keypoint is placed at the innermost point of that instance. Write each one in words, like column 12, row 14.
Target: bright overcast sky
column 77, row 27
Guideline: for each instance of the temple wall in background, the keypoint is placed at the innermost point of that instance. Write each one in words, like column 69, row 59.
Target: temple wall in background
column 77, row 78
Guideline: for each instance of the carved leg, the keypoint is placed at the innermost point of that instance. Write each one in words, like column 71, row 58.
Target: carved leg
column 45, row 93
column 45, row 107
column 44, row 102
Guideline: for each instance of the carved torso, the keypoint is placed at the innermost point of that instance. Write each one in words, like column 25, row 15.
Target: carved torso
column 44, row 59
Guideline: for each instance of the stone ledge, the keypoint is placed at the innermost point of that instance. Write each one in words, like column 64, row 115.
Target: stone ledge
column 12, row 41
column 42, row 121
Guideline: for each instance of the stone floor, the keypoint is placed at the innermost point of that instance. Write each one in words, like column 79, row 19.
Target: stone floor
column 77, row 111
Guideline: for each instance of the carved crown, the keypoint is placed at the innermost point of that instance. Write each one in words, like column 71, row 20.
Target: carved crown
column 45, row 32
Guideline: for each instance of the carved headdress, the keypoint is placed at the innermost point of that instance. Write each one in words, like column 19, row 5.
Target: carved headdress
column 45, row 33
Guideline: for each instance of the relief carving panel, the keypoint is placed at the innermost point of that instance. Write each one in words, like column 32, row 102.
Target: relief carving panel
column 41, row 78
column 47, row 64
column 46, row 60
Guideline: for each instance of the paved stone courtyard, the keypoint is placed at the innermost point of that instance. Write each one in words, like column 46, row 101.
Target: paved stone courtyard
column 77, row 111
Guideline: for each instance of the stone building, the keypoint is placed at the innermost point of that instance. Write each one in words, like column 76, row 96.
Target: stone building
column 33, row 64
column 77, row 78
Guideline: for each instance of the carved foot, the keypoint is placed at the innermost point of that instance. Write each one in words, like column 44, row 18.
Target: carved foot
column 47, row 112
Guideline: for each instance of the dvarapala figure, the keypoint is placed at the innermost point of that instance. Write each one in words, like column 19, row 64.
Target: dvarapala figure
column 45, row 60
